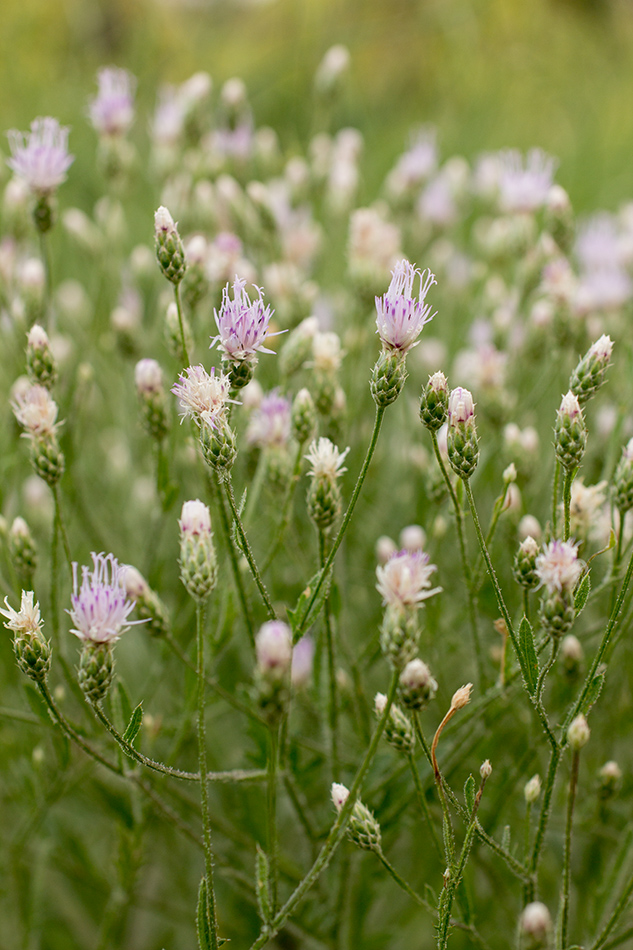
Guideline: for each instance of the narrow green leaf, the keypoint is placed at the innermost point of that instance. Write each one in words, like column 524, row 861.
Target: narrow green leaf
column 124, row 699
column 582, row 593
column 505, row 838
column 528, row 658
column 134, row 725
column 595, row 688
column 469, row 793
column 202, row 917
column 262, row 884
column 301, row 617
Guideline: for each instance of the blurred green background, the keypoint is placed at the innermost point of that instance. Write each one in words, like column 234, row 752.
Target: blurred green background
column 489, row 73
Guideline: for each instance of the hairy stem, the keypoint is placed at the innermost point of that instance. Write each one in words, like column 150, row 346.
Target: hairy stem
column 247, row 551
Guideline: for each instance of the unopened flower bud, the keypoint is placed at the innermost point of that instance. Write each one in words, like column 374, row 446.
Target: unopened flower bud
column 589, row 374
column 273, row 650
column 578, row 733
column 463, row 445
column 572, row 655
column 22, row 549
column 525, row 564
column 148, row 377
column 609, row 780
column 96, row 669
column 399, row 636
column 40, row 362
column 198, row 562
column 149, row 606
column 303, row 418
column 387, row 378
column 412, row 538
column 363, row 829
column 219, row 447
column 434, row 402
column 416, row 685
column 570, row 432
column 461, row 697
column 623, row 480
column 535, row 927
column 532, row 790
column 510, row 474
column 169, row 247
column 398, row 728
column 385, row 549
column 485, row 770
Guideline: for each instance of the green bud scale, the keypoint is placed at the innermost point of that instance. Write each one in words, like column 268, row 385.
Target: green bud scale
column 96, row 669
column 218, row 446
column 399, row 636
column 570, row 432
column 387, row 378
column 47, row 458
column 33, row 653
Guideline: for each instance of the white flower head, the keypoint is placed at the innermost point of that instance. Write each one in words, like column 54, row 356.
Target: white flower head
column 195, row 518
column 27, row 618
column 400, row 316
column 405, row 580
column 569, row 405
column 203, row 396
column 559, row 567
column 37, row 337
column 36, row 411
column 100, row 607
column 601, row 349
column 325, row 459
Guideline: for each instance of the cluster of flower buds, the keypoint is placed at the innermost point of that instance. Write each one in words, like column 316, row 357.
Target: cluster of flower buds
column 416, row 686
column 22, row 550
column 589, row 374
column 148, row 377
column 169, row 247
column 324, row 494
column 570, row 432
column 463, row 444
column 559, row 569
column 41, row 365
column 273, row 650
column 524, row 567
column 400, row 319
column 198, row 561
column 36, row 411
column 32, row 649
column 404, row 583
column 434, row 402
column 398, row 728
column 99, row 610
column 363, row 829
column 149, row 606
column 623, row 480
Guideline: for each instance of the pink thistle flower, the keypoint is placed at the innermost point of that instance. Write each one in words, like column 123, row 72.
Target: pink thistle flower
column 400, row 316
column 112, row 110
column 41, row 156
column 36, row 411
column 242, row 324
column 559, row 566
column 405, row 579
column 203, row 396
column 100, row 607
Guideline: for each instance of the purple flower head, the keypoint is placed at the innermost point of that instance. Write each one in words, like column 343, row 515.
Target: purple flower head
column 242, row 325
column 270, row 423
column 100, row 607
column 203, row 396
column 112, row 110
column 400, row 315
column 524, row 187
column 41, row 156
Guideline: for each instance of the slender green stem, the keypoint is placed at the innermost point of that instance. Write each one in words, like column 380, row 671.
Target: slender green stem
column 271, row 807
column 400, row 881
column 71, row 733
column 336, row 832
column 331, row 664
column 204, row 788
column 617, row 941
column 285, row 510
column 540, row 684
column 555, row 489
column 563, row 910
column 380, row 411
column 247, row 550
column 62, row 528
column 419, row 791
column 542, row 822
column 468, row 577
column 255, row 487
column 48, row 285
column 526, row 829
column 617, row 912
column 183, row 342
column 235, row 567
column 569, row 478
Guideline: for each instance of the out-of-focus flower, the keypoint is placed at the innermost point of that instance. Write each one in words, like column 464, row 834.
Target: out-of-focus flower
column 112, row 110
column 41, row 156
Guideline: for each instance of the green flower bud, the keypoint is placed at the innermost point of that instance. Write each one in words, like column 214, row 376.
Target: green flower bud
column 434, row 402
column 570, row 432
column 198, row 562
column 96, row 670
column 589, row 374
column 169, row 248
column 388, row 377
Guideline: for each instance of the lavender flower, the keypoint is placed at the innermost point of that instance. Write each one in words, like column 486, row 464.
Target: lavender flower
column 524, row 187
column 203, row 396
column 404, row 581
column 400, row 317
column 270, row 424
column 112, row 110
column 100, row 608
column 41, row 156
column 242, row 325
